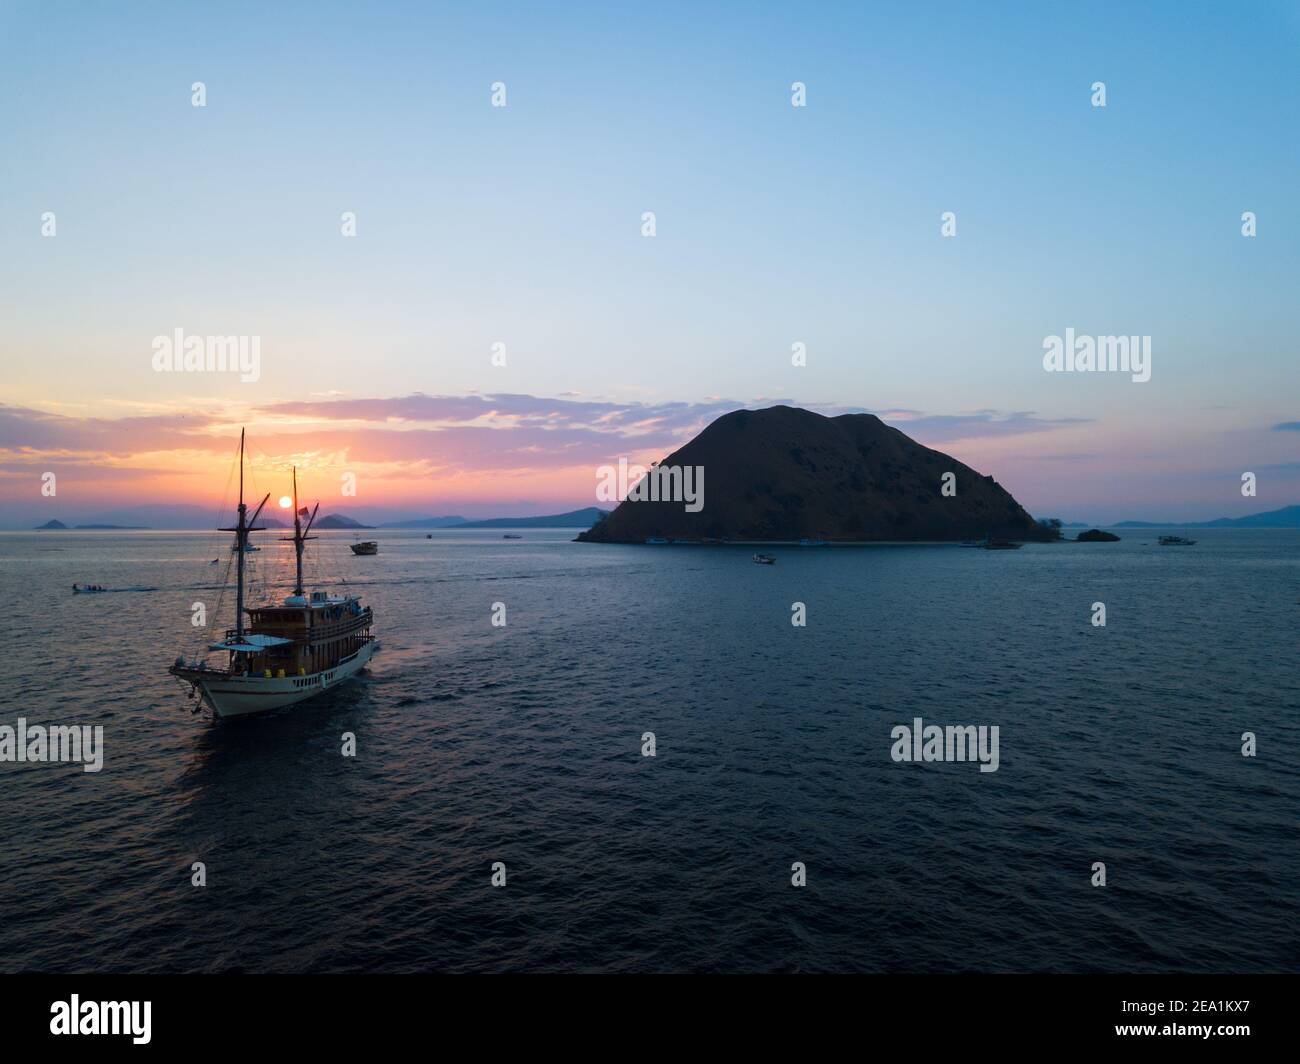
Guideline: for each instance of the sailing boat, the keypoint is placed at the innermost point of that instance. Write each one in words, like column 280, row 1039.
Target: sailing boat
column 287, row 652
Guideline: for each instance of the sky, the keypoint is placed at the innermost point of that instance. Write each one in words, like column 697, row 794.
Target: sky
column 522, row 226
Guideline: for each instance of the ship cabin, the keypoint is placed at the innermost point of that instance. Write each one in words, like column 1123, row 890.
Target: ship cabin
column 304, row 635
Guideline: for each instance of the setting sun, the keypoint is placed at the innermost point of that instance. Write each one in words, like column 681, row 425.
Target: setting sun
column 285, row 502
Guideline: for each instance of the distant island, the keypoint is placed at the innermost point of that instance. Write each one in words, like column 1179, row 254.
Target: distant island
column 54, row 526
column 573, row 519
column 425, row 522
column 1286, row 517
column 338, row 521
column 1096, row 535
column 887, row 480
column 785, row 474
column 583, row 518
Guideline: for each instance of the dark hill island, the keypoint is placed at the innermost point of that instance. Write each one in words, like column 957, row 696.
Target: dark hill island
column 336, row 521
column 785, row 474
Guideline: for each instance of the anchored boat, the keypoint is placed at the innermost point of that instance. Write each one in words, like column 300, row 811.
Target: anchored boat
column 368, row 546
column 286, row 652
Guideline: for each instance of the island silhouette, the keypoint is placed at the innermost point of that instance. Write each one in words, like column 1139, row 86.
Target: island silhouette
column 785, row 474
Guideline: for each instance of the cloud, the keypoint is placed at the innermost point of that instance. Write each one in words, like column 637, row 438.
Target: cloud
column 22, row 428
column 664, row 423
column 507, row 410
column 416, row 436
column 946, row 428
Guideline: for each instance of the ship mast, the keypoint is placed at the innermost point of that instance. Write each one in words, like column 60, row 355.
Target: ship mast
column 241, row 530
column 300, row 536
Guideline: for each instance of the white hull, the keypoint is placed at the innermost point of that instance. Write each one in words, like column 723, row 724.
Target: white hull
column 241, row 696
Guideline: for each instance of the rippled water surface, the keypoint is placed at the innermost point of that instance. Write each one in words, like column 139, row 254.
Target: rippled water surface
column 523, row 745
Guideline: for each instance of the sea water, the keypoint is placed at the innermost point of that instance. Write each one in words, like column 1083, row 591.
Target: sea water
column 522, row 745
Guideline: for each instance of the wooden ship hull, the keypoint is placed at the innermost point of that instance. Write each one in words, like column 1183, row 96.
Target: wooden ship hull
column 230, row 695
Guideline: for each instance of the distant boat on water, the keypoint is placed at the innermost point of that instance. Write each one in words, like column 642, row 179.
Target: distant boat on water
column 512, row 535
column 764, row 559
column 88, row 589
column 656, row 539
column 367, row 546
column 1001, row 544
column 1176, row 541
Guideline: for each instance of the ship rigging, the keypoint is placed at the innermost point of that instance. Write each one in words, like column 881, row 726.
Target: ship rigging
column 288, row 651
